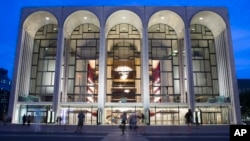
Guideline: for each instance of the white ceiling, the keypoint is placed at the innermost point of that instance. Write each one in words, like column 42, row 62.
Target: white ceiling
column 210, row 19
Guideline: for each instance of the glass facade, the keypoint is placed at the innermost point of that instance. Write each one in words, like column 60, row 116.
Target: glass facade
column 163, row 64
column 82, row 64
column 124, row 62
column 43, row 64
column 206, row 86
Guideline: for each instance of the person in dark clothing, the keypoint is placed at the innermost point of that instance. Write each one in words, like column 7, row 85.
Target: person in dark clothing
column 28, row 120
column 24, row 119
column 124, row 120
column 142, row 119
column 189, row 119
column 196, row 119
column 81, row 119
column 59, row 120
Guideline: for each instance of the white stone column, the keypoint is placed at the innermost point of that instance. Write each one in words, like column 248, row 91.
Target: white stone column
column 13, row 99
column 189, row 67
column 145, row 69
column 102, row 72
column 232, row 86
column 58, row 71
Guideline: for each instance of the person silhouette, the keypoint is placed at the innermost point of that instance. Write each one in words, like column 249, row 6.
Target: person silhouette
column 124, row 120
column 81, row 119
column 189, row 119
column 24, row 118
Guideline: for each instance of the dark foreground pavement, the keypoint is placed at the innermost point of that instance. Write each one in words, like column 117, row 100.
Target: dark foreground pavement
column 18, row 132
column 187, row 137
column 45, row 136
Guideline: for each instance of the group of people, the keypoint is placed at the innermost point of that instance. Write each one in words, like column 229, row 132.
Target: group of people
column 26, row 119
column 36, row 120
column 81, row 119
column 132, row 120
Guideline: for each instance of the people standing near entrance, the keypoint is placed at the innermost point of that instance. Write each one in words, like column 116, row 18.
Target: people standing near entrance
column 81, row 119
column 142, row 118
column 28, row 120
column 124, row 120
column 189, row 120
column 133, row 122
column 24, row 119
column 59, row 120
column 197, row 119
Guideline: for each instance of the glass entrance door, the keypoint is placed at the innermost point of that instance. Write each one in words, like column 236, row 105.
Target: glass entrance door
column 211, row 118
column 113, row 115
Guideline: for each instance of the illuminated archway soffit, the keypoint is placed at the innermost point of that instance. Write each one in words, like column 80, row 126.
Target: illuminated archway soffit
column 38, row 19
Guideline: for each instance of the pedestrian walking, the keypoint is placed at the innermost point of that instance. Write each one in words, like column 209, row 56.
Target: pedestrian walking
column 133, row 122
column 142, row 119
column 59, row 120
column 81, row 119
column 28, row 120
column 24, row 118
column 124, row 120
column 196, row 119
column 189, row 120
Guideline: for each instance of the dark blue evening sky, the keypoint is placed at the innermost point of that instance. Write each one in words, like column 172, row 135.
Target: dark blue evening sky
column 239, row 12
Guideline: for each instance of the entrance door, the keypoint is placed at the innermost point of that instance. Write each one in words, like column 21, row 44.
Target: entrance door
column 113, row 115
column 211, row 118
column 165, row 118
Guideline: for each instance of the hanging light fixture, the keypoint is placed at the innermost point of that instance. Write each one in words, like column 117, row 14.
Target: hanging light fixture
column 123, row 71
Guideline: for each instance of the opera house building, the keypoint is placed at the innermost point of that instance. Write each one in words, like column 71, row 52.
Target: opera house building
column 158, row 61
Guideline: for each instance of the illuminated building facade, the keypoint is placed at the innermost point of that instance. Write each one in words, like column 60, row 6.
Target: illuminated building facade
column 159, row 61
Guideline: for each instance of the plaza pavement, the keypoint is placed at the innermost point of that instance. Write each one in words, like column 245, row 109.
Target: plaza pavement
column 113, row 133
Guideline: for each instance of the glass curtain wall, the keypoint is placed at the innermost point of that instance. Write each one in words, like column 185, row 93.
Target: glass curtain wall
column 43, row 64
column 163, row 64
column 82, row 62
column 212, row 115
column 204, row 64
column 69, row 114
column 123, row 64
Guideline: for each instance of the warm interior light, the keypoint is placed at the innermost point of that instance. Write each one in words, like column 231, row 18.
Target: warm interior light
column 123, row 68
column 123, row 71
column 123, row 76
column 126, row 91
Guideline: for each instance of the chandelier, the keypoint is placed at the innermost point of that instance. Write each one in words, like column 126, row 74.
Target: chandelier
column 123, row 71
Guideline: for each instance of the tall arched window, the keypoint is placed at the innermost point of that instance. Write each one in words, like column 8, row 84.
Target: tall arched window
column 43, row 63
column 82, row 61
column 204, row 64
column 163, row 64
column 123, row 64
